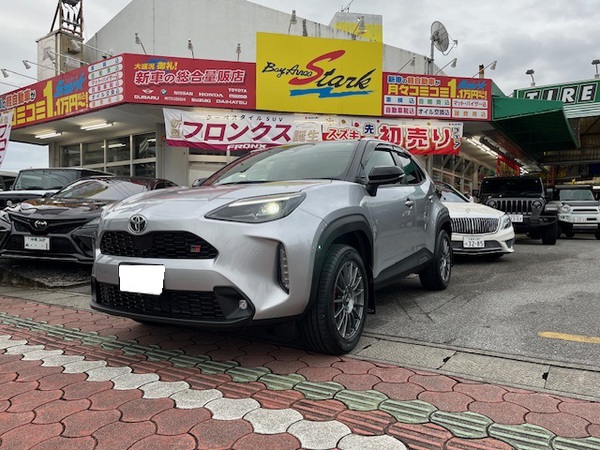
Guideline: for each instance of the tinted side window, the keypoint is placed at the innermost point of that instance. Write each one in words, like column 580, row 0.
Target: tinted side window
column 413, row 174
column 379, row 157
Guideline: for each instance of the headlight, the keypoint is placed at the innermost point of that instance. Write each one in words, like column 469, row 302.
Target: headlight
column 537, row 204
column 258, row 209
column 564, row 208
column 492, row 203
column 505, row 222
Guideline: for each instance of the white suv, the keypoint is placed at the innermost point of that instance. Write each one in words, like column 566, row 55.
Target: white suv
column 305, row 231
column 578, row 210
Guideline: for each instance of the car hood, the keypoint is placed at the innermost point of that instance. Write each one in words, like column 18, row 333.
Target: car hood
column 580, row 202
column 223, row 193
column 59, row 208
column 471, row 210
column 200, row 200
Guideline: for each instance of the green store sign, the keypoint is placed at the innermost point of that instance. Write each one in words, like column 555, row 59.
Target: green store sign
column 580, row 99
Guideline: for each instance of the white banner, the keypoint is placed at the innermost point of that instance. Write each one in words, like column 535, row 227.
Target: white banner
column 5, row 124
column 254, row 130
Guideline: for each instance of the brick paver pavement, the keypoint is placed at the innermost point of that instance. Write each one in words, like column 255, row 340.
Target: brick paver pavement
column 78, row 379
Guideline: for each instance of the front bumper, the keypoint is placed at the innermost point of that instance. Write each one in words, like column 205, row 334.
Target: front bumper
column 501, row 242
column 208, row 291
column 579, row 222
column 220, row 307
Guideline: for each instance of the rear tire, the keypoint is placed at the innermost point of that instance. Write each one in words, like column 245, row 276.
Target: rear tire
column 549, row 234
column 335, row 321
column 436, row 276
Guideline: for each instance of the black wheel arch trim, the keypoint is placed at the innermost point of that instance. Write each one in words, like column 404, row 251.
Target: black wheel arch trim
column 356, row 232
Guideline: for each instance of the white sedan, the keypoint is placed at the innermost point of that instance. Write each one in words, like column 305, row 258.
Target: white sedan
column 476, row 229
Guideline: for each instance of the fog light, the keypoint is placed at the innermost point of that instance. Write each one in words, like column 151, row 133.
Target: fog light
column 284, row 273
column 243, row 304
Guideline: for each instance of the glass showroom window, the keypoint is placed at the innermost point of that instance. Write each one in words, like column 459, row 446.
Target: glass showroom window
column 93, row 154
column 118, row 156
column 71, row 156
column 117, row 150
column 144, row 155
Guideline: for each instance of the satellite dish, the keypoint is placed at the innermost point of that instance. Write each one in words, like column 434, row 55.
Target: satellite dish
column 439, row 36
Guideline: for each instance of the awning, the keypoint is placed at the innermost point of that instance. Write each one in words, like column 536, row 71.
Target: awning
column 537, row 126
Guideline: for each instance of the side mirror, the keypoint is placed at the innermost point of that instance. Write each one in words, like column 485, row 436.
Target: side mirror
column 476, row 193
column 198, row 182
column 380, row 175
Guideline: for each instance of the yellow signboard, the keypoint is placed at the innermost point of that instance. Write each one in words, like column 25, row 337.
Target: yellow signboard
column 305, row 74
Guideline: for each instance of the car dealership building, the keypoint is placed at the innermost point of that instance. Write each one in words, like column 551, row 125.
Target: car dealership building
column 164, row 89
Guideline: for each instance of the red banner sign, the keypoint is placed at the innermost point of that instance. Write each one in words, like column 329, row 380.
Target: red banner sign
column 130, row 78
column 162, row 80
column 436, row 97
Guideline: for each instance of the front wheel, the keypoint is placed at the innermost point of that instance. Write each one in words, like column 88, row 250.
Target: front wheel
column 549, row 234
column 436, row 276
column 336, row 320
column 597, row 234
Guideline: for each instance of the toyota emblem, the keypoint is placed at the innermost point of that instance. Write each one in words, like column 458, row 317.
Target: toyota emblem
column 40, row 224
column 137, row 224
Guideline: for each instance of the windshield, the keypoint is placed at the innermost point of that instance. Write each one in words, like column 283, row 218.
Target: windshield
column 512, row 187
column 44, row 179
column 449, row 194
column 320, row 160
column 575, row 194
column 101, row 190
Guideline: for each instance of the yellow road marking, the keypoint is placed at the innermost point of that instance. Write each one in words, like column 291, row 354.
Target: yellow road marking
column 570, row 337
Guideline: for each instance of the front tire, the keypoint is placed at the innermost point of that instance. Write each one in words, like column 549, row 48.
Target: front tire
column 336, row 320
column 436, row 276
column 549, row 234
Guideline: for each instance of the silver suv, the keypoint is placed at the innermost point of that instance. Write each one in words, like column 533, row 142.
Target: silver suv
column 302, row 232
column 578, row 210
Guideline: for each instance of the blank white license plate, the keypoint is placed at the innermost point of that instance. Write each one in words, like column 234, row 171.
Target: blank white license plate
column 37, row 243
column 142, row 279
column 473, row 242
column 516, row 217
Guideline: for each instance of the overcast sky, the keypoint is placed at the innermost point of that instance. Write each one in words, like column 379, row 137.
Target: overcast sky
column 556, row 38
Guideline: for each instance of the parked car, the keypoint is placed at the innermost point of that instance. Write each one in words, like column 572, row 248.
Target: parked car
column 476, row 229
column 33, row 183
column 523, row 198
column 62, row 226
column 303, row 231
column 578, row 209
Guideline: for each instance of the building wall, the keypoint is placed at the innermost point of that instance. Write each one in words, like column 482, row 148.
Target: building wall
column 215, row 27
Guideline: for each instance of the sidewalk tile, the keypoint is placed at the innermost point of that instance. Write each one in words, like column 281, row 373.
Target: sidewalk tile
column 85, row 423
column 220, row 434
column 57, row 410
column 173, row 422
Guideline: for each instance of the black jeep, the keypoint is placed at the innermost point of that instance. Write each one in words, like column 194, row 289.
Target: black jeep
column 524, row 200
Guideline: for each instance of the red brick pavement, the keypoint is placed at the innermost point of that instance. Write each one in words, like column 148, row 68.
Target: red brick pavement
column 41, row 407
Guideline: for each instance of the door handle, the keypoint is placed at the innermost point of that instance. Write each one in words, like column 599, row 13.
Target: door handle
column 409, row 203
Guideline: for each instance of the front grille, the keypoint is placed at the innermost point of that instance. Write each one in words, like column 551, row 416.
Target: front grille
column 170, row 304
column 583, row 209
column 27, row 225
column 474, row 225
column 515, row 206
column 158, row 244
